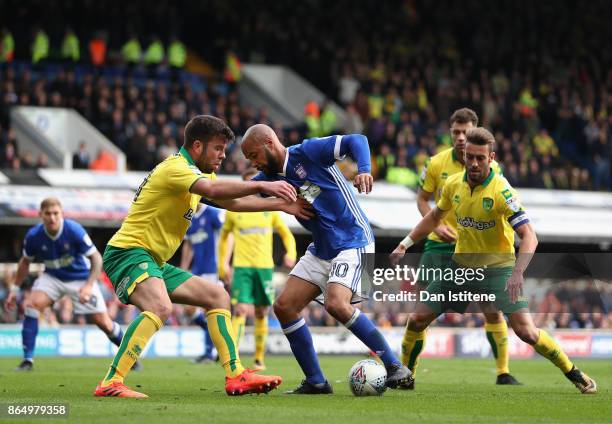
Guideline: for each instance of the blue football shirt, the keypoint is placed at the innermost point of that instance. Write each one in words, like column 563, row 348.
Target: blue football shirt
column 202, row 234
column 65, row 254
column 340, row 223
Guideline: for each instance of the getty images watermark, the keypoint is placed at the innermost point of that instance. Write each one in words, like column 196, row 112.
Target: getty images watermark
column 457, row 276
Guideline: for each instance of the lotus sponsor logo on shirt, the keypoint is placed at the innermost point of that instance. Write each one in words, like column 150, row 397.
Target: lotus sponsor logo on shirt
column 310, row 192
column 62, row 262
column 470, row 222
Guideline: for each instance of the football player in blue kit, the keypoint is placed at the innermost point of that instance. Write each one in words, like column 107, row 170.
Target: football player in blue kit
column 72, row 267
column 341, row 234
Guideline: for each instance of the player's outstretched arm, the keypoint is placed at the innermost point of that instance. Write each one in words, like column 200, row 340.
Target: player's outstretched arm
column 23, row 268
column 529, row 243
column 225, row 189
column 444, row 232
column 418, row 233
column 300, row 208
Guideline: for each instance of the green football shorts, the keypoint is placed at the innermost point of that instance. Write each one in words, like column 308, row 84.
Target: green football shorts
column 128, row 267
column 493, row 283
column 253, row 286
column 436, row 255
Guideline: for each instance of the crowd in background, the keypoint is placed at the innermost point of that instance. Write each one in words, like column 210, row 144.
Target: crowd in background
column 398, row 68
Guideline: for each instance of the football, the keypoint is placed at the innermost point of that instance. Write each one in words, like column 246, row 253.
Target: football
column 367, row 378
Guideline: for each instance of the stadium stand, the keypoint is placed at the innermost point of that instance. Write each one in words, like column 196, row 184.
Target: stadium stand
column 546, row 94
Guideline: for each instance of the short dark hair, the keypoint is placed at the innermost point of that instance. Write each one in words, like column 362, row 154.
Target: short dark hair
column 463, row 116
column 481, row 137
column 205, row 128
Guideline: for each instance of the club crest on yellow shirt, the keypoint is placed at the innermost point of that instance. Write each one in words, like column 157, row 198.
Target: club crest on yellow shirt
column 487, row 203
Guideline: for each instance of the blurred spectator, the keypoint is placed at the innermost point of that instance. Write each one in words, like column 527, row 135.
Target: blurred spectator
column 97, row 49
column 80, row 159
column 105, row 161
column 312, row 116
column 71, row 51
column 233, row 69
column 131, row 50
column 43, row 161
column 154, row 55
column 40, row 46
column 177, row 54
column 7, row 47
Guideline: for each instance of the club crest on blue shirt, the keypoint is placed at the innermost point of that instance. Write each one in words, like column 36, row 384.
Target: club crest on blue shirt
column 300, row 171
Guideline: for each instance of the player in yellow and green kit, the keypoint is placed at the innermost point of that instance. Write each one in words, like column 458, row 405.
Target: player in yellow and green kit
column 253, row 267
column 488, row 212
column 135, row 258
column 440, row 245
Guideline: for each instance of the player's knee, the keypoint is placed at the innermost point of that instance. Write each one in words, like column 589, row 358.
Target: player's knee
column 241, row 310
column 527, row 334
column 261, row 312
column 282, row 308
column 162, row 310
column 493, row 317
column 37, row 304
column 418, row 323
column 220, row 299
column 339, row 309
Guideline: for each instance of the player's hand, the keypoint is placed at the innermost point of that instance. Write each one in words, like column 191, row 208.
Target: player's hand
column 300, row 209
column 396, row 256
column 446, row 233
column 364, row 182
column 280, row 189
column 85, row 293
column 288, row 262
column 514, row 286
column 9, row 302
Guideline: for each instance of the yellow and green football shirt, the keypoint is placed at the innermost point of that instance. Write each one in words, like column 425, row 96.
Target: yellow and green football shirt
column 162, row 208
column 485, row 218
column 253, row 238
column 435, row 173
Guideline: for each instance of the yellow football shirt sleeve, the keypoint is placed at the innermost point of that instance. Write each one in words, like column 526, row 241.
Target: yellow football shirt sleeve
column 180, row 176
column 285, row 234
column 427, row 182
column 512, row 209
column 445, row 200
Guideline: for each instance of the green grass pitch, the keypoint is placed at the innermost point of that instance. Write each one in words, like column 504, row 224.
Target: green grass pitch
column 448, row 391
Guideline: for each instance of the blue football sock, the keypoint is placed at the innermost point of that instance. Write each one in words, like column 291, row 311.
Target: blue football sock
column 29, row 332
column 361, row 326
column 116, row 334
column 300, row 341
column 200, row 320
